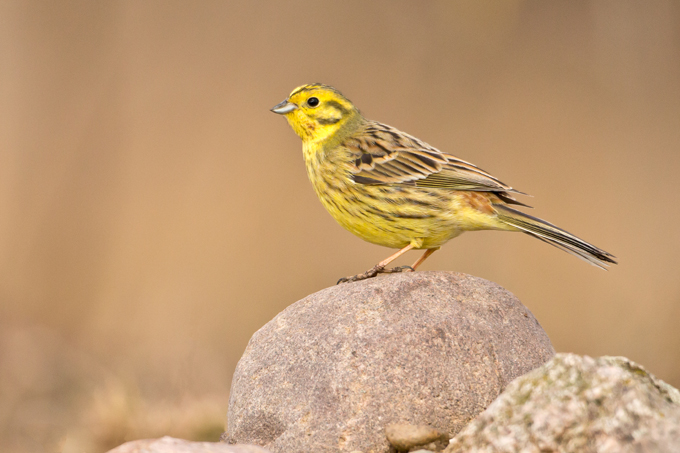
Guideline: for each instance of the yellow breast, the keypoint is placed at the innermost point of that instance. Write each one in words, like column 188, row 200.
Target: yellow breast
column 388, row 215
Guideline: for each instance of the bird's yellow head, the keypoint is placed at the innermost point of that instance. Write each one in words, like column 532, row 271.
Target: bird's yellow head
column 317, row 112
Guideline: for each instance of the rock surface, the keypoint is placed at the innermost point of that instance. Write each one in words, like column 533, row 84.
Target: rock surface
column 426, row 348
column 579, row 404
column 172, row 445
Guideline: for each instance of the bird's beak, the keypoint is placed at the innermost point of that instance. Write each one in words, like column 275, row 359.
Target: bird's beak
column 284, row 107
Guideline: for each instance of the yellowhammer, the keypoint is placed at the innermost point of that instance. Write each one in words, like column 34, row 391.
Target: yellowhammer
column 392, row 189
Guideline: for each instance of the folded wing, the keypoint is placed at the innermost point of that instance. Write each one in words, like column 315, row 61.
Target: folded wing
column 384, row 155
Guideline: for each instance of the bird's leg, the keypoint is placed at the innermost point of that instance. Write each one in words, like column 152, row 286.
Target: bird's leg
column 413, row 268
column 423, row 257
column 380, row 268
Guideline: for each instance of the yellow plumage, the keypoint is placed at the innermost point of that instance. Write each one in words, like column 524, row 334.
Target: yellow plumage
column 392, row 189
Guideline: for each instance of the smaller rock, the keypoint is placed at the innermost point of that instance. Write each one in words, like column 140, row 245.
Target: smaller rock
column 171, row 445
column 405, row 437
column 577, row 404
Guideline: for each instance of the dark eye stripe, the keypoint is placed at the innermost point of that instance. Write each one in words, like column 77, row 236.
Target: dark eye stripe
column 338, row 106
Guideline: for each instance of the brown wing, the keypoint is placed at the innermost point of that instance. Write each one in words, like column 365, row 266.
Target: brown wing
column 385, row 155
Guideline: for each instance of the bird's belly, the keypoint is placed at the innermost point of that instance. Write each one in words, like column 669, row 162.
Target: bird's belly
column 391, row 216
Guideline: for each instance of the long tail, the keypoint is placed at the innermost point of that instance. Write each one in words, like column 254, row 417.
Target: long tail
column 549, row 233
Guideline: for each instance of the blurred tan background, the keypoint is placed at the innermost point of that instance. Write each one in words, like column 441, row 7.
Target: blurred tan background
column 154, row 214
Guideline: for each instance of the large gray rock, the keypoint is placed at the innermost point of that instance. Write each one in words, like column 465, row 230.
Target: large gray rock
column 579, row 404
column 426, row 348
column 171, row 445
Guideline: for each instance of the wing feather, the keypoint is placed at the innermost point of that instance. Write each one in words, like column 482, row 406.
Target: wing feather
column 385, row 155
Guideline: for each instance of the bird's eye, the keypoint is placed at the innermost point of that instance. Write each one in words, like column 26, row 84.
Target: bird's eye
column 313, row 102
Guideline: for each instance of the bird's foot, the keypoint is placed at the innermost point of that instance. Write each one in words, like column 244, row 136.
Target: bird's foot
column 396, row 270
column 374, row 271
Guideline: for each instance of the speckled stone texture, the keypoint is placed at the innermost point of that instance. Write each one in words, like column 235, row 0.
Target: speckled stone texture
column 579, row 404
column 426, row 348
column 171, row 445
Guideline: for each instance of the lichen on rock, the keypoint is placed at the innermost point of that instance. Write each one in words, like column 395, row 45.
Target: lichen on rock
column 578, row 404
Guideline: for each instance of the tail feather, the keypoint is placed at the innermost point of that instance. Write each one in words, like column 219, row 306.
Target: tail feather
column 553, row 235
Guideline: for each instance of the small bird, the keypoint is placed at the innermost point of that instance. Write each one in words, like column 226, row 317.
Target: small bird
column 392, row 189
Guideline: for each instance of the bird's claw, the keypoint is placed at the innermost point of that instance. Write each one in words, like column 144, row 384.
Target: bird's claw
column 396, row 270
column 368, row 274
column 374, row 271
